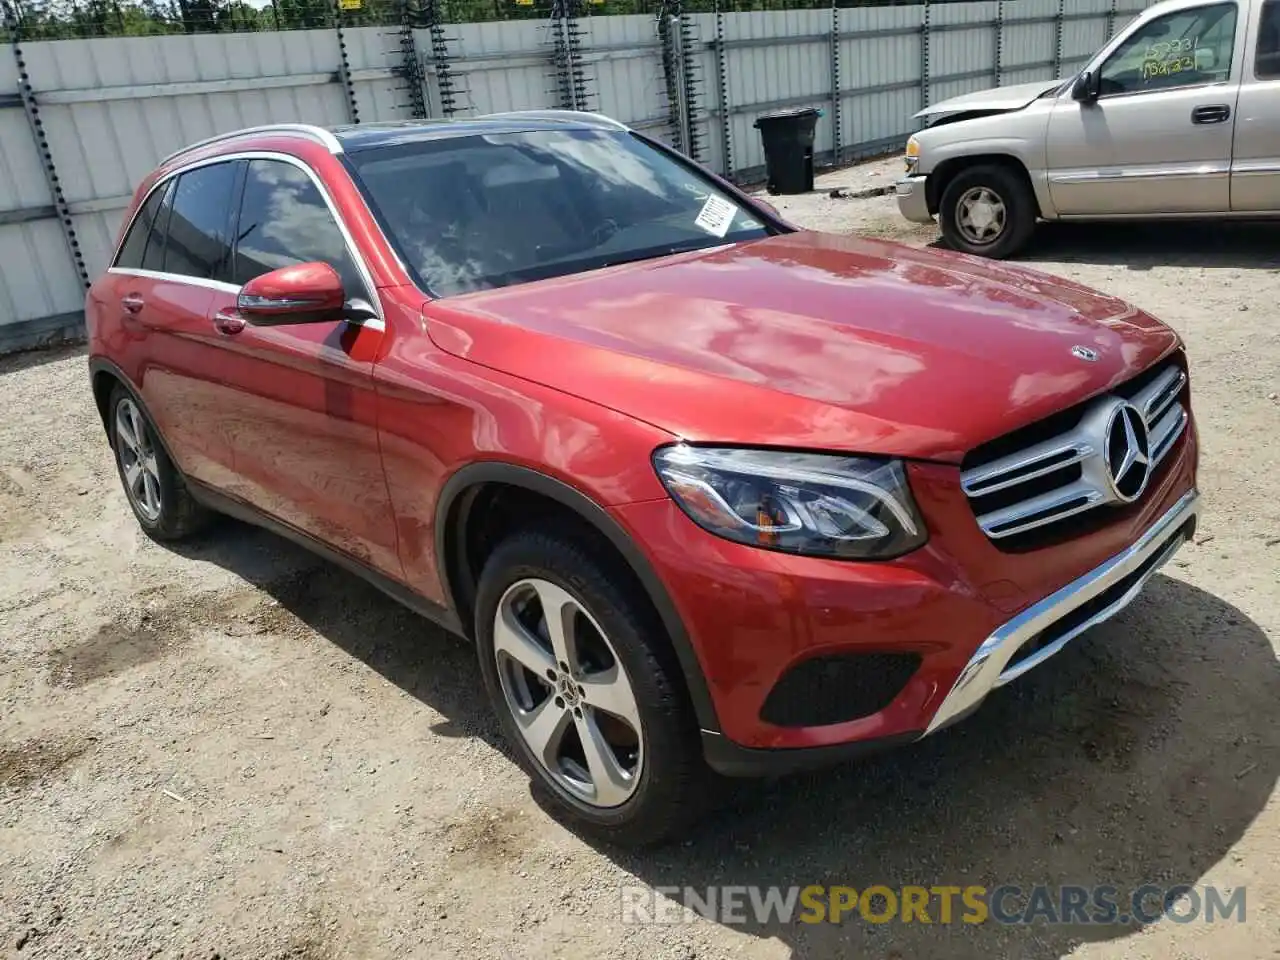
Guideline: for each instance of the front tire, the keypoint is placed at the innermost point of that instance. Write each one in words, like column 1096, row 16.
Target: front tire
column 587, row 689
column 155, row 489
column 989, row 211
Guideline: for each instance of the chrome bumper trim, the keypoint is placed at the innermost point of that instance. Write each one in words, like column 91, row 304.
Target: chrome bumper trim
column 986, row 669
column 913, row 201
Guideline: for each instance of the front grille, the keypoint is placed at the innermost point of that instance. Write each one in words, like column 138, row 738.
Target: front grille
column 1030, row 480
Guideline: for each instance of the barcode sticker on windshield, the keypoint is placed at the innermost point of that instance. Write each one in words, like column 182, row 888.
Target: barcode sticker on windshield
column 716, row 216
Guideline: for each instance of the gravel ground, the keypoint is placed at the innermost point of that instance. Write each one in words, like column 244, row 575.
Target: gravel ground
column 234, row 750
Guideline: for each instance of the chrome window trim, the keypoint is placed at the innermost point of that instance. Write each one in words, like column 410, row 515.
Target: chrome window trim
column 371, row 291
column 175, row 278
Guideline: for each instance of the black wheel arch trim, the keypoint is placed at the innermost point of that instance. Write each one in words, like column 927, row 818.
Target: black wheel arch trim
column 99, row 365
column 457, row 497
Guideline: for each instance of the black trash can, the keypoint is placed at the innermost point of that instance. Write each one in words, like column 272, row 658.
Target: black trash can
column 788, row 149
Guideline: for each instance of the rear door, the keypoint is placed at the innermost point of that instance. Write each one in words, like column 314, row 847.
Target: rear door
column 300, row 412
column 1255, row 165
column 164, row 291
column 1158, row 139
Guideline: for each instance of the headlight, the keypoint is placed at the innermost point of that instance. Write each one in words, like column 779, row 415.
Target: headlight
column 912, row 156
column 853, row 508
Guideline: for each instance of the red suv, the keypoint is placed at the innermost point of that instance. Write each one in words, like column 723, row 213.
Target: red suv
column 707, row 492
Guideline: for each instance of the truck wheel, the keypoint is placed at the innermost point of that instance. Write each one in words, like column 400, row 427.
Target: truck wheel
column 587, row 691
column 989, row 211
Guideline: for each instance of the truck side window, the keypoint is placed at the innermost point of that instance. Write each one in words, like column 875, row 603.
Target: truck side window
column 1267, row 63
column 1181, row 49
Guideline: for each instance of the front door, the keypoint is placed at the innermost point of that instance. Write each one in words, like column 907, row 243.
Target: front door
column 300, row 411
column 1158, row 138
column 1255, row 167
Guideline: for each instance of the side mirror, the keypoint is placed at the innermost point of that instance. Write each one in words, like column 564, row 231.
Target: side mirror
column 302, row 293
column 1087, row 87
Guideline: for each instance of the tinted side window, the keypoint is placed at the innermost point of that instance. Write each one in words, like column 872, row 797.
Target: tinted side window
column 135, row 243
column 284, row 220
column 198, row 244
column 153, row 259
column 1180, row 49
column 1267, row 65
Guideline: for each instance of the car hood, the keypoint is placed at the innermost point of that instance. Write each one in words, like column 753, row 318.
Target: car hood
column 995, row 100
column 811, row 340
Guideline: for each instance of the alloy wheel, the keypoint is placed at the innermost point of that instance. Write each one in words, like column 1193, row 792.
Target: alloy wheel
column 138, row 459
column 568, row 692
column 980, row 215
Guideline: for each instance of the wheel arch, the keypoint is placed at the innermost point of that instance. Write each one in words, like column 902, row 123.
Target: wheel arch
column 949, row 169
column 104, row 376
column 463, row 498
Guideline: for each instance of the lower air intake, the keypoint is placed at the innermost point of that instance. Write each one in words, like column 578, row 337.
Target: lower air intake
column 836, row 689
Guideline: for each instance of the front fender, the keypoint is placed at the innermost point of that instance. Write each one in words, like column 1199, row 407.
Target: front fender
column 1020, row 136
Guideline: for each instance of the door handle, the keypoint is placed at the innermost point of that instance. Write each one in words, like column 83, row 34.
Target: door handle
column 228, row 323
column 1213, row 113
column 133, row 303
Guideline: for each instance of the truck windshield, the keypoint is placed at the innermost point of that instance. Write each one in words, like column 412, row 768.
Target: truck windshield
column 488, row 210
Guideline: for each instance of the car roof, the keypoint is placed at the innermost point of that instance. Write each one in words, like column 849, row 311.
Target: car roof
column 353, row 138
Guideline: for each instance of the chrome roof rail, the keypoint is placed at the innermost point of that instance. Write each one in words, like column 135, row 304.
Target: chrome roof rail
column 581, row 116
column 319, row 134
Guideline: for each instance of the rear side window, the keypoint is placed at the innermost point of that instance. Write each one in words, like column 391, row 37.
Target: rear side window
column 284, row 220
column 198, row 237
column 153, row 258
column 1267, row 65
column 135, row 243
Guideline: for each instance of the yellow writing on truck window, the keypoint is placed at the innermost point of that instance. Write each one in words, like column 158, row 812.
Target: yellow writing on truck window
column 1170, row 48
column 1167, row 58
column 1167, row 68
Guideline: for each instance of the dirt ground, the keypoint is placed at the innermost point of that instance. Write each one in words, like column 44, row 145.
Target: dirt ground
column 233, row 750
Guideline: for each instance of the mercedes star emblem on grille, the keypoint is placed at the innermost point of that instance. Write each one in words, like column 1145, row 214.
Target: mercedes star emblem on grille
column 1084, row 353
column 1127, row 451
column 1107, row 458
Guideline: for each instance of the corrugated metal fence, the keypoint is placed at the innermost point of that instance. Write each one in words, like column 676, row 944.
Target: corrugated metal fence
column 83, row 121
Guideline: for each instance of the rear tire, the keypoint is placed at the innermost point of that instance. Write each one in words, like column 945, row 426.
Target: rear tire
column 650, row 785
column 988, row 210
column 155, row 489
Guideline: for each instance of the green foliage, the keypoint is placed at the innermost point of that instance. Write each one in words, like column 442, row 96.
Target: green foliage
column 64, row 19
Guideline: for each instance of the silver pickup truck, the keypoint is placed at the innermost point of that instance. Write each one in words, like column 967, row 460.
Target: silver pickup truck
column 1177, row 116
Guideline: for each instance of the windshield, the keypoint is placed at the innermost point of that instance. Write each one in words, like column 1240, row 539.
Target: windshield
column 489, row 210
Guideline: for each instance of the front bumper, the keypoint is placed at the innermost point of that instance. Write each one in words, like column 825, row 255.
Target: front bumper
column 913, row 199
column 755, row 619
column 1046, row 627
